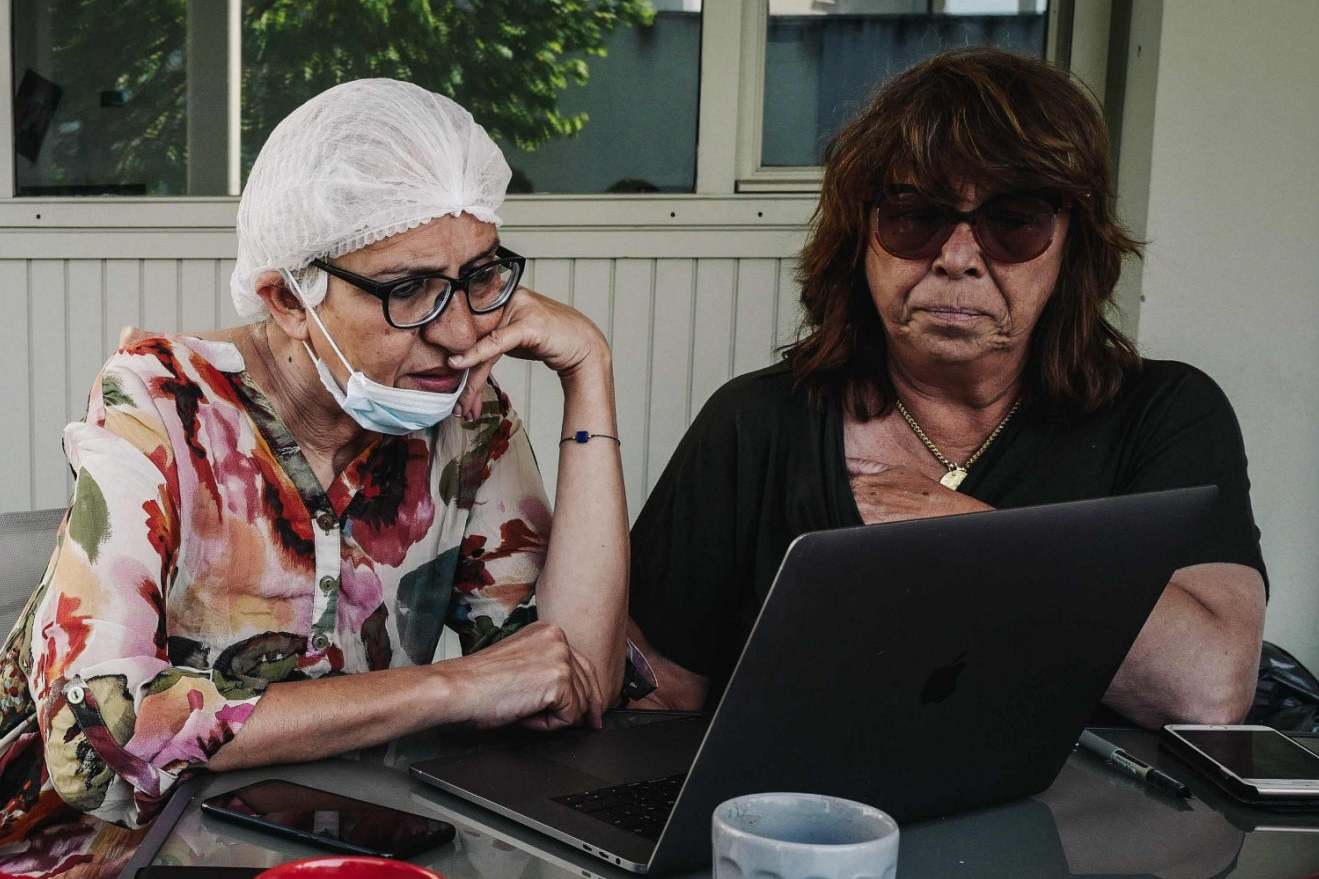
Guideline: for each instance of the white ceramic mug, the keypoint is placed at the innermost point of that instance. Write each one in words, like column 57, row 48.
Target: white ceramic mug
column 802, row 836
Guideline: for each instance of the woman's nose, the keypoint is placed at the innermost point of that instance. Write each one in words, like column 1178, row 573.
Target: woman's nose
column 960, row 255
column 455, row 329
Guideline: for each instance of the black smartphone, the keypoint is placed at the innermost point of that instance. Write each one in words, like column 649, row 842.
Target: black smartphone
column 330, row 820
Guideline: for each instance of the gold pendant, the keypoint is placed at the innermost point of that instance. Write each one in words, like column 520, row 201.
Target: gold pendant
column 953, row 478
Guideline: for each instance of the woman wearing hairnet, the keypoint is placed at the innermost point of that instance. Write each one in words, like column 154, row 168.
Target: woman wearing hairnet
column 271, row 524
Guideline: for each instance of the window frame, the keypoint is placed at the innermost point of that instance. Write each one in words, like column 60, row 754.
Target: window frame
column 755, row 177
column 730, row 124
column 7, row 171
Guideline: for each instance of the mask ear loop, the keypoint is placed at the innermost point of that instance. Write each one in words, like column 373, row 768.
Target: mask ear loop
column 297, row 290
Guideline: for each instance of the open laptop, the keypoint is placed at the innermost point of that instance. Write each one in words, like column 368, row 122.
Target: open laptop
column 925, row 667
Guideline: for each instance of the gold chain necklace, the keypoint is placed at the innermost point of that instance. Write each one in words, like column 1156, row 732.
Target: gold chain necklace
column 956, row 472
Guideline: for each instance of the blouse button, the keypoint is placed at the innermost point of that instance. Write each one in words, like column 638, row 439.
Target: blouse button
column 327, row 521
column 328, row 583
column 75, row 695
column 320, row 642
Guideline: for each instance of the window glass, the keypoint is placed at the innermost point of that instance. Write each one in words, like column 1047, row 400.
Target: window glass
column 823, row 59
column 176, row 97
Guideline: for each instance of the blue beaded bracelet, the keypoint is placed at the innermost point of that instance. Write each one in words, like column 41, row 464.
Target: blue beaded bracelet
column 583, row 436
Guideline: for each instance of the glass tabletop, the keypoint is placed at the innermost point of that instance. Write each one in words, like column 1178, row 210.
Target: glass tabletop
column 1092, row 821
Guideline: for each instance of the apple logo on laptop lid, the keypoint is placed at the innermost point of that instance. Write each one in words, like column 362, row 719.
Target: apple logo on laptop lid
column 943, row 681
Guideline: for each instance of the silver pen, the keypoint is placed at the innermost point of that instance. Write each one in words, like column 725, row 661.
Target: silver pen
column 1133, row 766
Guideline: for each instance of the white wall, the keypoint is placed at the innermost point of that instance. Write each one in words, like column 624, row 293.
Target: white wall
column 1231, row 278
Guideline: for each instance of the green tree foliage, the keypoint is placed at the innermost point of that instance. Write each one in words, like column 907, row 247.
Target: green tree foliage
column 507, row 61
column 504, row 60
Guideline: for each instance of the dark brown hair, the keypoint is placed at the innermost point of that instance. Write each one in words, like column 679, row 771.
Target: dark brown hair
column 1000, row 122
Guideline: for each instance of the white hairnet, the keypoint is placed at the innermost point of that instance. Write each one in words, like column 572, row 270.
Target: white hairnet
column 357, row 163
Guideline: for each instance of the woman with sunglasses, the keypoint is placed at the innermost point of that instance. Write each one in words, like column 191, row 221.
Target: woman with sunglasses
column 956, row 356
column 272, row 524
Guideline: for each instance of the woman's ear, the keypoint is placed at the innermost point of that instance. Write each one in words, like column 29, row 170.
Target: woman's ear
column 285, row 307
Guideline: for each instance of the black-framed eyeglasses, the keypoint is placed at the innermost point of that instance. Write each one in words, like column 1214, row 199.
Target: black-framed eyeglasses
column 418, row 299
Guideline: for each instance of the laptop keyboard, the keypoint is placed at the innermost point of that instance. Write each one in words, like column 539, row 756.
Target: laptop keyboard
column 640, row 807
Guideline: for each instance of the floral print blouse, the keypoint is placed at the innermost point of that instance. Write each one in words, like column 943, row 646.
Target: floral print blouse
column 201, row 560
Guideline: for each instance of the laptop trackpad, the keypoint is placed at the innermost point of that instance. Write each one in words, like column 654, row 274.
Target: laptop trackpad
column 627, row 754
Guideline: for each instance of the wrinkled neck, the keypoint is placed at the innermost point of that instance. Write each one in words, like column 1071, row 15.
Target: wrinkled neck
column 329, row 437
column 981, row 384
column 956, row 407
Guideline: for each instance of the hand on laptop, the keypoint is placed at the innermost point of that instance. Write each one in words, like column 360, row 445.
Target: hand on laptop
column 888, row 493
column 533, row 677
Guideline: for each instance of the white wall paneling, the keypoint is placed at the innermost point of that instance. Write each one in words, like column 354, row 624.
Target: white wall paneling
column 787, row 306
column 121, row 297
column 15, row 388
column 198, row 293
column 651, row 214
column 51, row 384
column 671, row 349
column 633, row 332
column 160, row 294
column 679, row 327
column 714, row 306
column 86, row 297
column 754, row 332
column 543, row 413
column 226, row 315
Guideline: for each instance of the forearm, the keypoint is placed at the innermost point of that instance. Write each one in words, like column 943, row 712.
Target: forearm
column 583, row 587
column 309, row 720
column 676, row 688
column 1197, row 657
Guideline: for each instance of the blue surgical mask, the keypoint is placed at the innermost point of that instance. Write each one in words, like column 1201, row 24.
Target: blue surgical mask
column 377, row 407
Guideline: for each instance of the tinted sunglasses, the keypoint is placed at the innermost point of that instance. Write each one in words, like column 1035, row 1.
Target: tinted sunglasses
column 1010, row 228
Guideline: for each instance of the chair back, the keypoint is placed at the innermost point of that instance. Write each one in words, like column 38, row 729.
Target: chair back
column 26, row 541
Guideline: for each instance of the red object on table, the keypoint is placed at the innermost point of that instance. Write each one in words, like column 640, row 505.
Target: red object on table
column 348, row 867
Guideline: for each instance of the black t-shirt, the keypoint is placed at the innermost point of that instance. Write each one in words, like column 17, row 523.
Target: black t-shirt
column 761, row 465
